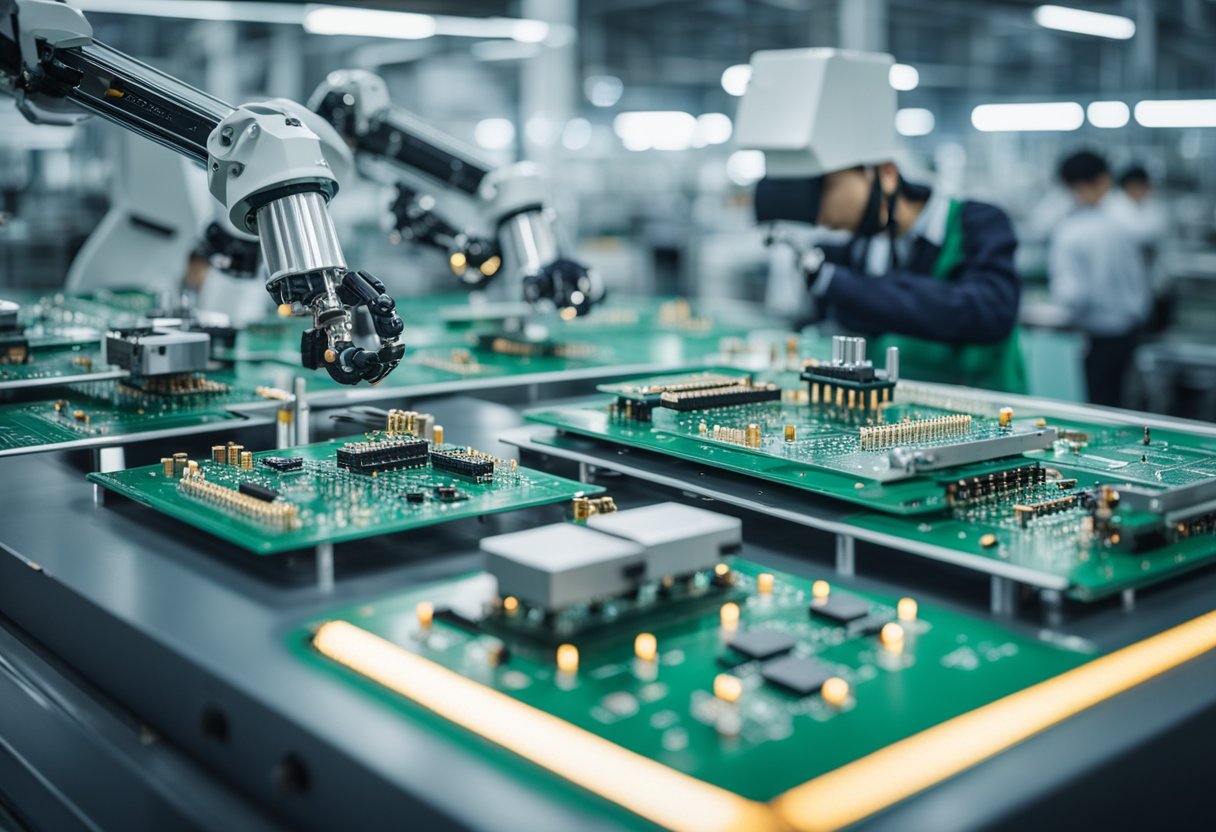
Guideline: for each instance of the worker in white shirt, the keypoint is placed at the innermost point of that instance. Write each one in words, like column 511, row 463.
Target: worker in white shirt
column 1098, row 276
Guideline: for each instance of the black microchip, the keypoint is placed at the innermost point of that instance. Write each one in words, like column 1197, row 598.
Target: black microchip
column 762, row 644
column 369, row 457
column 414, row 496
column 841, row 607
column 259, row 491
column 462, row 464
column 868, row 625
column 449, row 494
column 283, row 463
column 801, row 675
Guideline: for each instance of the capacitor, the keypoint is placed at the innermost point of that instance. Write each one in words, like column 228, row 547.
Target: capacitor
column 1006, row 417
column 790, row 433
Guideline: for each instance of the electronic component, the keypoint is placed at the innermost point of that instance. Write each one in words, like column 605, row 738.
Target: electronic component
column 798, row 674
column 1025, row 512
column 735, row 394
column 410, row 423
column 385, row 455
column 156, row 352
column 282, row 463
column 984, row 487
column 468, row 463
column 333, row 503
column 849, row 380
column 553, row 567
column 840, row 607
column 678, row 539
column 585, row 506
column 761, row 644
column 914, row 431
column 261, row 492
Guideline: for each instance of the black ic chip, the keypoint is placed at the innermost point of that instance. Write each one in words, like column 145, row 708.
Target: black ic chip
column 803, row 676
column 841, row 607
column 414, row 496
column 283, row 463
column 261, row 492
column 761, row 644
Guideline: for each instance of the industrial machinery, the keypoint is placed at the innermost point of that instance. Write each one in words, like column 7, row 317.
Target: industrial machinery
column 271, row 164
column 523, row 239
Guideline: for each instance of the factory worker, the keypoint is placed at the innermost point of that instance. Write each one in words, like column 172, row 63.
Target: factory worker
column 927, row 273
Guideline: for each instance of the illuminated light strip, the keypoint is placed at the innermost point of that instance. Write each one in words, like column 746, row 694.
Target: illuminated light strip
column 879, row 780
column 645, row 787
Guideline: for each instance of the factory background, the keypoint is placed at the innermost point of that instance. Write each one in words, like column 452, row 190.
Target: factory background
column 631, row 106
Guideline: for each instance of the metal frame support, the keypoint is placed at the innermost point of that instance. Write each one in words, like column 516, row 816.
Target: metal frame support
column 845, row 555
column 1004, row 594
column 106, row 459
column 325, row 567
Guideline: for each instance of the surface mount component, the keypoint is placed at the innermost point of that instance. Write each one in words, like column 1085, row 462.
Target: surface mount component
column 382, row 455
column 678, row 539
column 157, row 352
column 554, row 567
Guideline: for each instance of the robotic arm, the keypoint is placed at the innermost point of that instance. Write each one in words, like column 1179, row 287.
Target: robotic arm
column 270, row 164
column 526, row 241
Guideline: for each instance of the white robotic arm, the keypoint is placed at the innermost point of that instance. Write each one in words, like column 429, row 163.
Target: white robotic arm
column 273, row 165
column 525, row 240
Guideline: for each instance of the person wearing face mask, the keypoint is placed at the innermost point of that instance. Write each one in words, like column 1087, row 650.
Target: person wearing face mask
column 922, row 271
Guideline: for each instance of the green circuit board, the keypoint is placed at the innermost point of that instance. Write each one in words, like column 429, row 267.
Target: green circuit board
column 774, row 736
column 48, row 366
column 1044, row 510
column 329, row 503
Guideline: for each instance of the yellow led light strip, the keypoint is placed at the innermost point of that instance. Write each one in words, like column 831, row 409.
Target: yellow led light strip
column 879, row 780
column 839, row 798
column 641, row 785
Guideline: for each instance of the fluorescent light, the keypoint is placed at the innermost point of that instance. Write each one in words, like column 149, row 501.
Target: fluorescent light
column 1065, row 19
column 745, row 167
column 904, row 77
column 914, row 121
column 712, row 128
column 1107, row 113
column 253, row 12
column 503, row 50
column 577, row 134
column 603, row 90
column 1198, row 112
column 368, row 23
column 735, row 78
column 494, row 133
column 655, row 130
column 1059, row 115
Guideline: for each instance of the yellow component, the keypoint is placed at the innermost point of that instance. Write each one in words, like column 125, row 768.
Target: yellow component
column 285, row 415
column 820, row 590
column 568, row 313
column 988, row 540
column 1040, row 422
column 647, row 788
column 437, row 435
column 567, row 658
column 646, row 647
column 907, row 609
column 877, row 781
column 192, row 466
column 113, row 93
column 219, row 453
column 491, row 266
column 1006, row 416
column 892, row 636
column 234, row 454
column 835, row 691
column 247, row 460
column 764, row 583
column 458, row 262
column 753, row 435
column 721, row 570
column 284, row 310
column 790, row 433
column 729, row 615
column 426, row 614
column 510, row 604
column 728, row 687
column 167, row 463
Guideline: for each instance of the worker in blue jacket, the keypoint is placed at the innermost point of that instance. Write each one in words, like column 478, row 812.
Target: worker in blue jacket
column 927, row 273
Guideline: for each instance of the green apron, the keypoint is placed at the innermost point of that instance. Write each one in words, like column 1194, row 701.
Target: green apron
column 995, row 366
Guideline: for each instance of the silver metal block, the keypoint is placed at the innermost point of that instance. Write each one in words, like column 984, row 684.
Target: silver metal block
column 678, row 539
